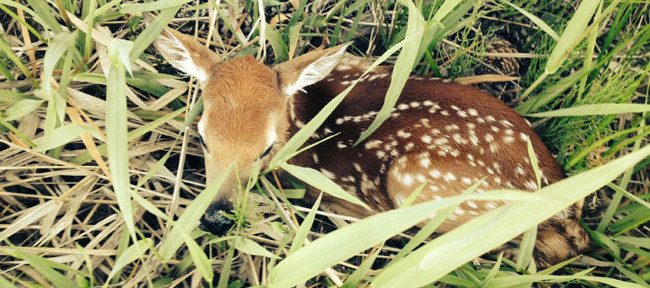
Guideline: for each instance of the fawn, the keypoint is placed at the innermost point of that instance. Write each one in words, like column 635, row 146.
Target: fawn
column 441, row 133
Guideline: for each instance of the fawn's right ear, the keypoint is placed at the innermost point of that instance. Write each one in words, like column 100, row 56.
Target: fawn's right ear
column 308, row 69
column 186, row 54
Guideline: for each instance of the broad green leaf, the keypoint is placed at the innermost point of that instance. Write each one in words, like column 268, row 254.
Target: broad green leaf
column 22, row 108
column 496, row 227
column 361, row 235
column 117, row 133
column 251, row 247
column 129, row 255
column 5, row 283
column 191, row 216
column 12, row 97
column 62, row 135
column 432, row 225
column 319, row 181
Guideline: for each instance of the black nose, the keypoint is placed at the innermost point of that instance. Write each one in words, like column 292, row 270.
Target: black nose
column 214, row 220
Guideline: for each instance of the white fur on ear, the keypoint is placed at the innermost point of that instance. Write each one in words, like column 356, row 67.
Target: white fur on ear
column 179, row 56
column 316, row 71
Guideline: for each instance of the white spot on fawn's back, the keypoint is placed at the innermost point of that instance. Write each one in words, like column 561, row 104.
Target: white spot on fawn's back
column 327, row 173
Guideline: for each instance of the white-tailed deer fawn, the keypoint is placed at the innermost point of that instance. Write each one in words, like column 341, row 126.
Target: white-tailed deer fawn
column 441, row 133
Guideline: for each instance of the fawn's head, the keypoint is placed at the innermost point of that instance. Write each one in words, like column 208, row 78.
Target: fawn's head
column 246, row 104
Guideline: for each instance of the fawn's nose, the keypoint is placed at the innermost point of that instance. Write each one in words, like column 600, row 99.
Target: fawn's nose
column 214, row 220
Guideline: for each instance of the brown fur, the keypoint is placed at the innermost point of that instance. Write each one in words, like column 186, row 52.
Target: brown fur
column 443, row 134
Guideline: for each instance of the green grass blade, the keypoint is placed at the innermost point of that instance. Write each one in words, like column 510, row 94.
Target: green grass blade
column 251, row 247
column 509, row 281
column 46, row 14
column 6, row 49
column 117, row 131
column 129, row 255
column 572, row 35
column 199, row 258
column 431, row 226
column 295, row 142
column 539, row 22
column 22, row 108
column 128, row 8
column 56, row 101
column 12, row 97
column 595, row 109
column 191, row 216
column 149, row 34
column 403, row 67
column 319, row 181
column 132, row 135
column 62, row 135
column 498, row 226
column 225, row 269
column 277, row 44
column 5, row 283
column 493, row 272
column 629, row 195
column 305, row 226
column 552, row 92
column 357, row 275
column 634, row 241
column 576, row 157
column 45, row 268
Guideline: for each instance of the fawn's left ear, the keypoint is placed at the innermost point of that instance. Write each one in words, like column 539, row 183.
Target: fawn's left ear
column 308, row 69
column 187, row 54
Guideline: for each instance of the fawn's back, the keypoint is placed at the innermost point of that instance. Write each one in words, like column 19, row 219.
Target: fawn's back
column 442, row 135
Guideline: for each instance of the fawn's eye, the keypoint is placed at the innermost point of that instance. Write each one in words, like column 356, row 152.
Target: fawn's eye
column 266, row 152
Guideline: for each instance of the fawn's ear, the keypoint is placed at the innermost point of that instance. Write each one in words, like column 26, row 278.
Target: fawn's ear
column 308, row 69
column 186, row 54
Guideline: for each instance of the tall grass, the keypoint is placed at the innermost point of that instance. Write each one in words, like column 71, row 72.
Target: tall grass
column 100, row 186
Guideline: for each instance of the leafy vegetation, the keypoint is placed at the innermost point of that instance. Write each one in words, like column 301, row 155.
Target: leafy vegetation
column 80, row 86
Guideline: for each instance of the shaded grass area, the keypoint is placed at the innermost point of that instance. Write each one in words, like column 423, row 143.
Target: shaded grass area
column 74, row 215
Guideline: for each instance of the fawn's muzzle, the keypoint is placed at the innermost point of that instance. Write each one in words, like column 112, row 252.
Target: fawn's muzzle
column 214, row 220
